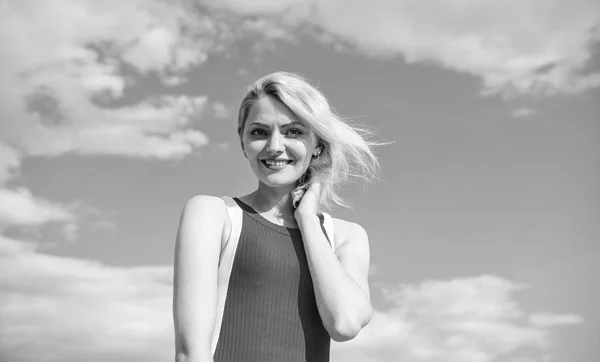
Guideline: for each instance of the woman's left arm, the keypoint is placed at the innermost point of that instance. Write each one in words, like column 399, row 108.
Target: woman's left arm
column 340, row 280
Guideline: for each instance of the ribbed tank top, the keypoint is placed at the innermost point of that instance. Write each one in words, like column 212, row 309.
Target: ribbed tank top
column 270, row 312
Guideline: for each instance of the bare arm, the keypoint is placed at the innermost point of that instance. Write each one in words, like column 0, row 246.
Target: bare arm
column 197, row 251
column 340, row 280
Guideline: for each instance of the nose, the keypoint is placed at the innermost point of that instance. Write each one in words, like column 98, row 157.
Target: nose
column 275, row 144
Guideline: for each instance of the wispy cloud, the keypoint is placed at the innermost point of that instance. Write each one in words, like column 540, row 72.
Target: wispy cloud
column 549, row 319
column 67, row 308
column 221, row 111
column 20, row 208
column 10, row 160
column 523, row 112
column 464, row 320
column 533, row 47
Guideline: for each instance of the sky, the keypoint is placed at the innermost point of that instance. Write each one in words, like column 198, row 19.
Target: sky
column 484, row 226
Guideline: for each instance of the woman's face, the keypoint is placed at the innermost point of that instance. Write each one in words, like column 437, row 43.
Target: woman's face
column 278, row 146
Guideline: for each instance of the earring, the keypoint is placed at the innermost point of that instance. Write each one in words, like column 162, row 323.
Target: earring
column 317, row 154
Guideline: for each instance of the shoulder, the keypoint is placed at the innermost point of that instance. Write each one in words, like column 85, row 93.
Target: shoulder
column 349, row 232
column 203, row 201
column 203, row 220
column 204, row 209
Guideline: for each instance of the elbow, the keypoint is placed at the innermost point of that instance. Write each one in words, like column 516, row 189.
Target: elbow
column 344, row 333
column 182, row 356
column 347, row 329
column 184, row 352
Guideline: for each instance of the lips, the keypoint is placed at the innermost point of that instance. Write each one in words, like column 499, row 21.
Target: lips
column 276, row 164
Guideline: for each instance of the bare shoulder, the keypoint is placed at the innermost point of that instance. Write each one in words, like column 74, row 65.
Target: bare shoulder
column 204, row 213
column 200, row 202
column 349, row 232
column 211, row 207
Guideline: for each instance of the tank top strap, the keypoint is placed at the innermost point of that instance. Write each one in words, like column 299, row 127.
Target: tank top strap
column 226, row 263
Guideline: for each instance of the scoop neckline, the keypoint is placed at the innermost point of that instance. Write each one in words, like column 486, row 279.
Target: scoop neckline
column 248, row 210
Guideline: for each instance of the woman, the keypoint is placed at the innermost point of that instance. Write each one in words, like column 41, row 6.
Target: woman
column 289, row 290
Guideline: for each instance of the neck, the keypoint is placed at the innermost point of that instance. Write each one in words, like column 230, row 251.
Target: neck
column 277, row 199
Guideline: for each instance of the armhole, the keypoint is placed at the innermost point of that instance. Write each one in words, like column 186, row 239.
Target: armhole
column 226, row 263
column 329, row 229
column 234, row 214
column 227, row 200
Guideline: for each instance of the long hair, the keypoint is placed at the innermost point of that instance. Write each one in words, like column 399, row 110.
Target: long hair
column 346, row 148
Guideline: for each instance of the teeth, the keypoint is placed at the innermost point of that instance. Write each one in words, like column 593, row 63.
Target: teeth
column 276, row 163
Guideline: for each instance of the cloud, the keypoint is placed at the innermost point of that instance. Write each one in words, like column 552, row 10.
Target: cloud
column 154, row 128
column 523, row 112
column 533, row 47
column 10, row 160
column 68, row 309
column 64, row 63
column 549, row 320
column 473, row 319
column 66, row 69
column 19, row 207
column 220, row 110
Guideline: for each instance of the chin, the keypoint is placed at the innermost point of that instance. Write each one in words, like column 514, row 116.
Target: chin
column 283, row 178
column 279, row 181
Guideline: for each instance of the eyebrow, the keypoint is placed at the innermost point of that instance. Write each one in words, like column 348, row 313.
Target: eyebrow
column 293, row 123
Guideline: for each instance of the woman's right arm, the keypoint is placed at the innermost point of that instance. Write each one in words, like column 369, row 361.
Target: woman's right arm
column 197, row 250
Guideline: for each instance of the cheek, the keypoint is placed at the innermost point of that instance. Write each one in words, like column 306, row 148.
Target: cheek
column 301, row 153
column 252, row 148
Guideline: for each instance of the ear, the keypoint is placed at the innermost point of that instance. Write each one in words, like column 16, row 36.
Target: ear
column 318, row 150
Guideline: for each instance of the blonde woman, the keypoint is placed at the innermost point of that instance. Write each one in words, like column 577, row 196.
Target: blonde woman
column 291, row 289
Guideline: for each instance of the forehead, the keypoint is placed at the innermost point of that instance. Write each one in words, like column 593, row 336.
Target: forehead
column 271, row 111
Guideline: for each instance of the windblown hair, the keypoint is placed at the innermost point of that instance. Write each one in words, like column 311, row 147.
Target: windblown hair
column 347, row 151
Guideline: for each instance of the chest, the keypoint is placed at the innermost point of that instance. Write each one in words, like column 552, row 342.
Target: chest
column 265, row 256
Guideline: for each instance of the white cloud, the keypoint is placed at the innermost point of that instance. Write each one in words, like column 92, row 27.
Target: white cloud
column 19, row 207
column 67, row 309
column 64, row 62
column 61, row 61
column 523, row 112
column 463, row 320
column 154, row 128
column 523, row 47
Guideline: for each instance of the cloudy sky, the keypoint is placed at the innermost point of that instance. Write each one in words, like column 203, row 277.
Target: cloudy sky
column 484, row 227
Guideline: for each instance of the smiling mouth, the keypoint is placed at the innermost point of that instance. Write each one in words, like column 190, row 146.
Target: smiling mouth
column 276, row 163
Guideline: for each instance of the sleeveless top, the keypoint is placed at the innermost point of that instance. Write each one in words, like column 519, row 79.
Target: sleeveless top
column 270, row 314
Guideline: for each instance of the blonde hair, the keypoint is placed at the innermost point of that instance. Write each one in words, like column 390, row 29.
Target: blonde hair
column 346, row 151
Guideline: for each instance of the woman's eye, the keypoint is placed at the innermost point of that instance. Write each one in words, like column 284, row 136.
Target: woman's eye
column 294, row 132
column 258, row 132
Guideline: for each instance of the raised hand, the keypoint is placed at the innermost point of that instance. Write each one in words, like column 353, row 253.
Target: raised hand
column 309, row 204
